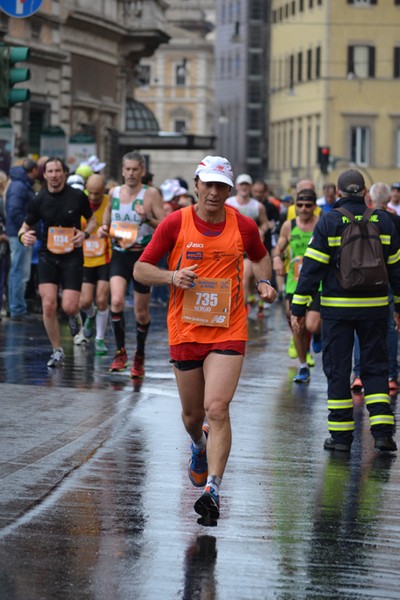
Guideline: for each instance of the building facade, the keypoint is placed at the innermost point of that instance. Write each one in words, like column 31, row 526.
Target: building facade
column 241, row 98
column 84, row 55
column 334, row 81
column 177, row 83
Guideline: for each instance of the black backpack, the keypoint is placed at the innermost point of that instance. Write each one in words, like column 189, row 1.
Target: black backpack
column 361, row 265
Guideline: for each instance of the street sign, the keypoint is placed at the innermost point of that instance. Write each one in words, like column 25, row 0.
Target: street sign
column 20, row 9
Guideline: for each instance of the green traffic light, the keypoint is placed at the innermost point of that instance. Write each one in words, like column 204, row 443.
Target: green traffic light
column 18, row 95
column 18, row 54
column 18, row 75
column 3, row 77
column 10, row 75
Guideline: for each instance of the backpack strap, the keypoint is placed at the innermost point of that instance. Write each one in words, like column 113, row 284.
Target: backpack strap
column 293, row 223
column 346, row 213
column 366, row 216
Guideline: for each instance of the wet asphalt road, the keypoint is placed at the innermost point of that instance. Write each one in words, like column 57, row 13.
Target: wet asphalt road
column 95, row 501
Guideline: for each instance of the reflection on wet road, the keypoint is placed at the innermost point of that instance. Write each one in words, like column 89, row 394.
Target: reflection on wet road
column 95, row 501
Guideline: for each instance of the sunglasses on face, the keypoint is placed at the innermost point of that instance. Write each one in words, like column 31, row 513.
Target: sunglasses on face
column 306, row 204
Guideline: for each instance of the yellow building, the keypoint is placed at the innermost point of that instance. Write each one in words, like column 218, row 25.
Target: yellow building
column 334, row 81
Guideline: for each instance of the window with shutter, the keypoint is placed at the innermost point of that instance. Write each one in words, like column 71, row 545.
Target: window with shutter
column 361, row 62
column 318, row 62
column 396, row 63
column 360, row 145
column 300, row 67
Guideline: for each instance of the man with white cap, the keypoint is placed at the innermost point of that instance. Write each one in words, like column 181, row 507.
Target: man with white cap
column 207, row 323
column 250, row 207
column 172, row 192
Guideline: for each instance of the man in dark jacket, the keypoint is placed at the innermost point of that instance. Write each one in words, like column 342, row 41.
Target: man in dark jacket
column 345, row 312
column 19, row 194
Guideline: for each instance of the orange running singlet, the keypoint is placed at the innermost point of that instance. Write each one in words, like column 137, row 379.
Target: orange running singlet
column 218, row 256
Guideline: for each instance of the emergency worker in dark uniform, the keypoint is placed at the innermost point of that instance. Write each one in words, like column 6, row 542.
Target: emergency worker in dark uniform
column 59, row 207
column 345, row 312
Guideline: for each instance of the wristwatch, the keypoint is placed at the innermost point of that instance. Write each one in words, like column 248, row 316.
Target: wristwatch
column 87, row 234
column 267, row 281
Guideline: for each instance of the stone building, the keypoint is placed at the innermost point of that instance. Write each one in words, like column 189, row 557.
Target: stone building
column 241, row 98
column 83, row 61
column 177, row 84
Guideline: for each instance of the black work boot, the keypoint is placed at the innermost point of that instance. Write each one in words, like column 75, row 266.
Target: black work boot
column 337, row 444
column 385, row 444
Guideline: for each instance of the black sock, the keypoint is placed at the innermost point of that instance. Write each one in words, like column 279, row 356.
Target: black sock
column 118, row 325
column 141, row 335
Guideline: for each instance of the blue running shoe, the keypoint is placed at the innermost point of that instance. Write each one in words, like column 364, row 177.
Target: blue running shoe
column 316, row 343
column 303, row 375
column 198, row 469
column 207, row 506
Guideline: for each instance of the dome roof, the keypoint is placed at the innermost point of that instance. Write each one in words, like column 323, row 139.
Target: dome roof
column 140, row 118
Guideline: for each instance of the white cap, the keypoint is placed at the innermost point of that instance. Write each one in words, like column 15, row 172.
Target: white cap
column 215, row 168
column 77, row 182
column 95, row 164
column 244, row 178
column 170, row 188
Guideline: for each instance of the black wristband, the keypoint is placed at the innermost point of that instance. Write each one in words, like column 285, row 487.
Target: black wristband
column 87, row 234
column 267, row 281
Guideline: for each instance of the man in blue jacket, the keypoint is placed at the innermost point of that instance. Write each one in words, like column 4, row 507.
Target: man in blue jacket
column 18, row 195
column 345, row 312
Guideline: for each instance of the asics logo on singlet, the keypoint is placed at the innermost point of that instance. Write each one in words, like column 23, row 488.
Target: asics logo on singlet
column 194, row 245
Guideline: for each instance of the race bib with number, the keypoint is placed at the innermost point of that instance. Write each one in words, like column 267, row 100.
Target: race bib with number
column 124, row 232
column 208, row 303
column 297, row 264
column 94, row 246
column 59, row 239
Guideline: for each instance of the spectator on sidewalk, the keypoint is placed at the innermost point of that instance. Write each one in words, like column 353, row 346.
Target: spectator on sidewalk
column 19, row 194
column 4, row 247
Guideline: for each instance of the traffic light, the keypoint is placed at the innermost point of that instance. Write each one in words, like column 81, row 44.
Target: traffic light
column 10, row 75
column 3, row 77
column 324, row 155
